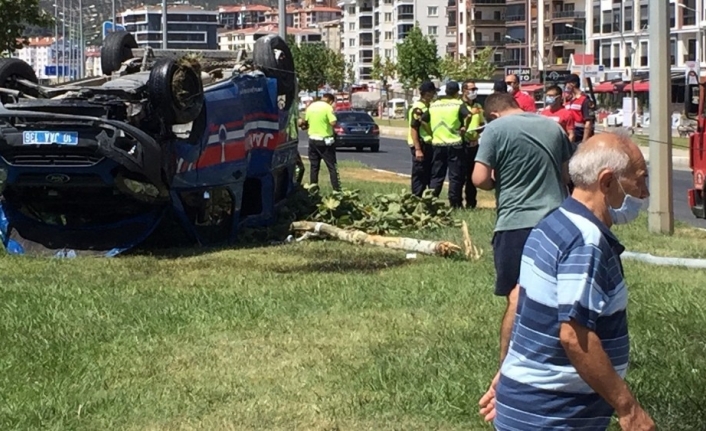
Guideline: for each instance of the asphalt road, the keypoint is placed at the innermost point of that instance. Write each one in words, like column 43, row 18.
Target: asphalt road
column 395, row 156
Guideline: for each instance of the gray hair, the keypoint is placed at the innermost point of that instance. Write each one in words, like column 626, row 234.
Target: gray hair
column 588, row 162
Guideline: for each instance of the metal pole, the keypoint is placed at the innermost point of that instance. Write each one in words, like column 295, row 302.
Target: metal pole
column 63, row 41
column 82, row 44
column 661, row 211
column 112, row 28
column 164, row 24
column 282, row 19
column 56, row 39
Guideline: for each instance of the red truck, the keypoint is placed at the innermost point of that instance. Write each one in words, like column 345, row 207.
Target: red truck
column 694, row 110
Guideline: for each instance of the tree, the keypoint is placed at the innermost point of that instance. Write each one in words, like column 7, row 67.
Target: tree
column 417, row 59
column 455, row 70
column 15, row 16
column 482, row 66
column 383, row 71
column 310, row 64
column 336, row 69
column 350, row 73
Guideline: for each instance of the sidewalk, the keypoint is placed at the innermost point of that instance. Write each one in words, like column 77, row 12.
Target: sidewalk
column 680, row 157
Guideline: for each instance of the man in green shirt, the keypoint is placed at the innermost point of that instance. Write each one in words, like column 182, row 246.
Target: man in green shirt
column 470, row 139
column 524, row 157
column 419, row 139
column 319, row 120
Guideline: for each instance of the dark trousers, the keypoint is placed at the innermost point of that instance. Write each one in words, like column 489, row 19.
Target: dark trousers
column 439, row 166
column 421, row 171
column 470, row 190
column 319, row 151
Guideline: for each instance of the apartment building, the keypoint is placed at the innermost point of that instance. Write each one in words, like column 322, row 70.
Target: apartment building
column 618, row 34
column 331, row 34
column 375, row 27
column 245, row 38
column 188, row 27
column 41, row 52
column 236, row 17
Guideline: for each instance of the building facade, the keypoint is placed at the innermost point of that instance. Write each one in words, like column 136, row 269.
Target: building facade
column 188, row 27
column 234, row 40
column 375, row 27
column 331, row 34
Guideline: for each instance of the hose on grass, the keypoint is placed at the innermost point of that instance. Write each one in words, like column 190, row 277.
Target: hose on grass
column 665, row 261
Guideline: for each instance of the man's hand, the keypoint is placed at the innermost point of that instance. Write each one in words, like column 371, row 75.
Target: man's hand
column 487, row 401
column 637, row 420
column 475, row 110
column 419, row 155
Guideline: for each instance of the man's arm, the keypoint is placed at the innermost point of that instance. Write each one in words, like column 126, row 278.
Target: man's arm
column 587, row 120
column 485, row 161
column 582, row 301
column 332, row 117
column 414, row 125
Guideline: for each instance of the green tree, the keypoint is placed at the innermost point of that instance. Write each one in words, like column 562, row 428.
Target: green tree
column 15, row 16
column 350, row 73
column 383, row 71
column 456, row 70
column 310, row 64
column 417, row 58
column 336, row 69
column 482, row 66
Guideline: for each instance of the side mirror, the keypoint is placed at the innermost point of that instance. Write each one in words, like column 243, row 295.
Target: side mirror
column 691, row 101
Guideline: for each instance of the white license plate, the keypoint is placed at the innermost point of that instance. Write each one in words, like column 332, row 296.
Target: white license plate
column 49, row 138
column 358, row 130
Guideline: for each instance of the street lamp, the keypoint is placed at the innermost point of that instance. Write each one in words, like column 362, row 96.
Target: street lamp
column 583, row 34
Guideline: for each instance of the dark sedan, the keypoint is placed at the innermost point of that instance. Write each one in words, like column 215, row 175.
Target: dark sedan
column 357, row 129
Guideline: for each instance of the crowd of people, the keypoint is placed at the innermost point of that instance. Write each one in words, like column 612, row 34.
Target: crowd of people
column 564, row 344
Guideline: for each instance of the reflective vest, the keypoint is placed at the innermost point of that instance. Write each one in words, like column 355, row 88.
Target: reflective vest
column 444, row 121
column 574, row 106
column 476, row 121
column 424, row 136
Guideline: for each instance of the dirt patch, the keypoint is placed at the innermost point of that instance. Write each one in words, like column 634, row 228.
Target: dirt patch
column 485, row 199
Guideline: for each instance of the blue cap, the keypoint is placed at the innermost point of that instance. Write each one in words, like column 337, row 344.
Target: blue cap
column 452, row 87
column 428, row 87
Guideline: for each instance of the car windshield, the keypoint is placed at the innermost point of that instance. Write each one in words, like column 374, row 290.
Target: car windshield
column 353, row 117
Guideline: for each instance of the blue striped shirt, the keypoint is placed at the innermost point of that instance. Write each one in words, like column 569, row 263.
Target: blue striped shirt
column 570, row 269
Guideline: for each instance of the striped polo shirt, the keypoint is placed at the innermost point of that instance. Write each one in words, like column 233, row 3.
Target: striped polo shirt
column 570, row 269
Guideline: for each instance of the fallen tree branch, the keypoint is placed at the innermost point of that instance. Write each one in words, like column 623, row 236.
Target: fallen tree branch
column 436, row 248
column 472, row 252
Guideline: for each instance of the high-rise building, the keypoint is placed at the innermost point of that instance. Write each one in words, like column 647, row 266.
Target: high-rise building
column 375, row 27
column 188, row 27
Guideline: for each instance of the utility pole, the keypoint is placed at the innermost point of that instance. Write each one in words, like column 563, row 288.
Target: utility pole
column 82, row 44
column 283, row 19
column 56, row 39
column 164, row 24
column 661, row 211
column 112, row 28
column 63, row 41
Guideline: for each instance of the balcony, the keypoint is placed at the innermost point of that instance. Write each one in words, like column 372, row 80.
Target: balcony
column 567, row 14
column 570, row 37
column 505, row 63
column 487, row 23
column 488, row 2
column 515, row 18
column 451, row 48
column 484, row 43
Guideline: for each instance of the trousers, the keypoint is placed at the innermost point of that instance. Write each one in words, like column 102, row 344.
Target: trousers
column 421, row 171
column 318, row 151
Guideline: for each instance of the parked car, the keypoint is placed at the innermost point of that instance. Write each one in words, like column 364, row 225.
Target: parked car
column 357, row 129
column 94, row 167
column 615, row 118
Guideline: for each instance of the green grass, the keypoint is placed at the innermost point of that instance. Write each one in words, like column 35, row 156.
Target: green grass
column 315, row 335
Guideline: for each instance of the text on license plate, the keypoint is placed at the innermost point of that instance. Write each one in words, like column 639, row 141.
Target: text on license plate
column 358, row 129
column 48, row 138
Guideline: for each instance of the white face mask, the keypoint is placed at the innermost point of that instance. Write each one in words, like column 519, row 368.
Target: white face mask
column 628, row 211
column 471, row 95
column 510, row 89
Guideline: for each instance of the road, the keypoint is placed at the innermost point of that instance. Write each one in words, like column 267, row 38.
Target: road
column 394, row 156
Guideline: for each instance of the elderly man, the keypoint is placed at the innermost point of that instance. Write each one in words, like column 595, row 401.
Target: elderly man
column 524, row 100
column 569, row 350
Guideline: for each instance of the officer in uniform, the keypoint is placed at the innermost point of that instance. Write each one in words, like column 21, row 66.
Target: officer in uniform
column 419, row 139
column 446, row 117
column 580, row 105
column 470, row 139
column 319, row 120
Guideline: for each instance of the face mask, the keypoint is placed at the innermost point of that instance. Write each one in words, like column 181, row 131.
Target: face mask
column 471, row 95
column 549, row 100
column 628, row 211
column 510, row 89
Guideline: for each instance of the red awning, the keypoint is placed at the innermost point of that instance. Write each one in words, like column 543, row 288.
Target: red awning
column 640, row 86
column 604, row 87
column 531, row 88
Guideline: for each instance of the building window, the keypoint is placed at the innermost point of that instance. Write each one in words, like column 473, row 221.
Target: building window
column 690, row 50
column 351, row 26
column 388, row 16
column 432, row 30
column 616, row 55
column 405, row 12
column 673, row 52
column 597, row 19
column 628, row 54
column 644, row 51
column 388, row 35
column 628, row 18
column 432, row 11
column 351, row 10
column 607, row 21
column 689, row 12
column 644, row 15
column 672, row 15
column 596, row 52
column 617, row 21
column 388, row 53
column 351, row 58
column 351, row 42
column 605, row 55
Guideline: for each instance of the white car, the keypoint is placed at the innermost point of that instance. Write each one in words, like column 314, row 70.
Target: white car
column 615, row 118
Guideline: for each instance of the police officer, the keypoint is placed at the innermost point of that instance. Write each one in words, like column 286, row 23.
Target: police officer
column 580, row 105
column 470, row 139
column 319, row 120
column 446, row 117
column 419, row 139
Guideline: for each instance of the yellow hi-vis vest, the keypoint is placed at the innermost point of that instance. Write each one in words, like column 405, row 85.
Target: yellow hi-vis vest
column 424, row 136
column 444, row 122
column 476, row 121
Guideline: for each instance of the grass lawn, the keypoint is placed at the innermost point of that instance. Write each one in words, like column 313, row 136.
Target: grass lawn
column 315, row 335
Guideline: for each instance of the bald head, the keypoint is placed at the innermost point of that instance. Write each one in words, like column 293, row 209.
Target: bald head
column 605, row 151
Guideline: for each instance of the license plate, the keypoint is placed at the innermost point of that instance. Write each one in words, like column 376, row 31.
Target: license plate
column 48, row 138
column 358, row 130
